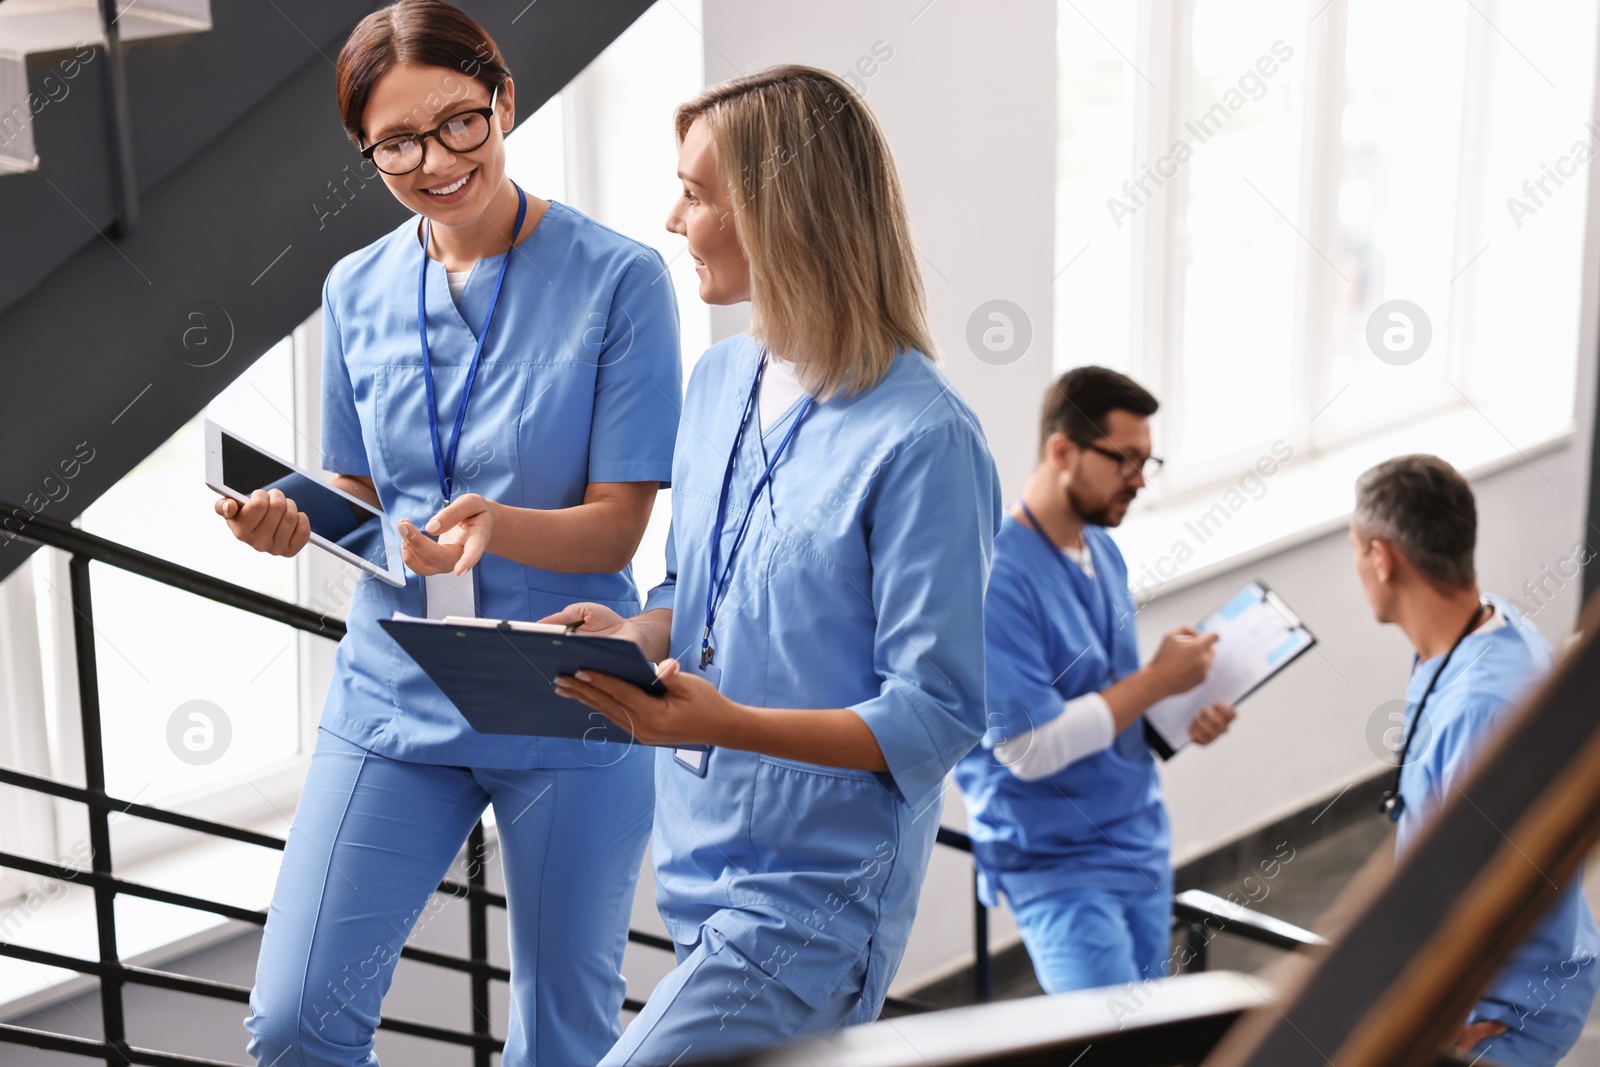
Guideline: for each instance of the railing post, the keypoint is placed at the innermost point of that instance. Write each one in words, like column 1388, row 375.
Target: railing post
column 1195, row 938
column 119, row 126
column 112, row 1022
column 478, row 934
column 982, row 977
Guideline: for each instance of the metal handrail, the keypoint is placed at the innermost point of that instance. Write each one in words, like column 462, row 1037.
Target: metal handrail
column 1426, row 940
column 84, row 547
column 1140, row 1025
column 113, row 973
column 51, row 531
column 1197, row 915
column 1196, row 906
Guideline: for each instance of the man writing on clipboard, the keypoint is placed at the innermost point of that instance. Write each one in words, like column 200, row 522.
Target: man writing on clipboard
column 1063, row 801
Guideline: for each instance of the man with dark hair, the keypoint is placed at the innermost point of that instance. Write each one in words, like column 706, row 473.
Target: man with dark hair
column 1413, row 534
column 1063, row 800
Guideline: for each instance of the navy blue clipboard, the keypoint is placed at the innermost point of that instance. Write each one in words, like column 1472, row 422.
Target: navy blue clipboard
column 502, row 680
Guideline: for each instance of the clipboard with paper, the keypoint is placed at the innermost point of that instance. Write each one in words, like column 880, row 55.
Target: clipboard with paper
column 1258, row 635
column 501, row 674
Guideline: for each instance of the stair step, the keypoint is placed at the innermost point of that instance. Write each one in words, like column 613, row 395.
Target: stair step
column 29, row 26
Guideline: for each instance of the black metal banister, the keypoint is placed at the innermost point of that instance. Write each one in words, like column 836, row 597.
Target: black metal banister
column 1192, row 908
column 1134, row 1026
column 101, row 1050
column 48, row 530
column 49, row 786
column 102, row 801
column 1198, row 906
column 113, row 1023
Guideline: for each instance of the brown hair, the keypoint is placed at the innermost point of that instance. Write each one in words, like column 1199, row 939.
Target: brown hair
column 1424, row 507
column 819, row 211
column 1079, row 401
column 428, row 33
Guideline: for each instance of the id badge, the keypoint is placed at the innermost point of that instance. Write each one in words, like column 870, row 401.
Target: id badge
column 447, row 594
column 697, row 758
column 713, row 674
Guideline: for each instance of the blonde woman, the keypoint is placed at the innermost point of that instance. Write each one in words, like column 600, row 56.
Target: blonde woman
column 820, row 630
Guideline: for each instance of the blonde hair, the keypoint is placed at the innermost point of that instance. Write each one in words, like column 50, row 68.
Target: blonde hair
column 821, row 217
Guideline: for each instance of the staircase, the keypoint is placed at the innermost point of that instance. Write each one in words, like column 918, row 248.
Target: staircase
column 173, row 192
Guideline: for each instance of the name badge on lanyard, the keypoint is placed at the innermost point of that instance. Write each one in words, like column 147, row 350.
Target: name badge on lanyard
column 447, row 594
column 719, row 576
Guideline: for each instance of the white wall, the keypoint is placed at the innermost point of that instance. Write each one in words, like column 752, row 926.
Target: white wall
column 967, row 97
column 979, row 170
column 968, row 102
column 1307, row 734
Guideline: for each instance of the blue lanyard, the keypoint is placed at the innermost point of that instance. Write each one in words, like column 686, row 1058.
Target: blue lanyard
column 1055, row 550
column 445, row 462
column 718, row 581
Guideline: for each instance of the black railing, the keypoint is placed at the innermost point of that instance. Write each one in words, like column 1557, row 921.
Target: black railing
column 112, row 973
column 1196, row 912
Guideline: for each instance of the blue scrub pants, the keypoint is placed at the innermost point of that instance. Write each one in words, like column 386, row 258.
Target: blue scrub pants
column 372, row 838
column 1087, row 938
column 728, row 994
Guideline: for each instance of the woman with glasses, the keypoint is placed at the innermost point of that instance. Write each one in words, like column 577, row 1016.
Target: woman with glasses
column 500, row 376
column 833, row 507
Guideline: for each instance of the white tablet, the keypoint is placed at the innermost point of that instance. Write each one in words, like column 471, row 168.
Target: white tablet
column 344, row 525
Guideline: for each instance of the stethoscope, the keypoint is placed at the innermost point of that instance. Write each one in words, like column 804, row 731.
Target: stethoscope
column 1393, row 803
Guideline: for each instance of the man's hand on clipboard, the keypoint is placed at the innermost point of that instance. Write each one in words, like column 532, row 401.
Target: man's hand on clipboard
column 1212, row 722
column 1183, row 660
column 1259, row 635
column 1181, row 663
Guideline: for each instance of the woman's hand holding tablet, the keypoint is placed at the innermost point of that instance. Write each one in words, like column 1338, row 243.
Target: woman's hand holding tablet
column 268, row 522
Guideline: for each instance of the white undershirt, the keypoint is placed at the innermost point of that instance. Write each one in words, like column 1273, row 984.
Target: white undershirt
column 1081, row 557
column 779, row 388
column 1084, row 727
column 458, row 281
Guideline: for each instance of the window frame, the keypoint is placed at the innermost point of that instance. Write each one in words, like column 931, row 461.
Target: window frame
column 263, row 798
column 1159, row 252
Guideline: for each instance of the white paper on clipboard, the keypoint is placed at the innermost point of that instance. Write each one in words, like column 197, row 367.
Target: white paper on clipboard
column 1257, row 636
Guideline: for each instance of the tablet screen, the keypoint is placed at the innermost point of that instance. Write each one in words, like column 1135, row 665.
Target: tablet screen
column 354, row 527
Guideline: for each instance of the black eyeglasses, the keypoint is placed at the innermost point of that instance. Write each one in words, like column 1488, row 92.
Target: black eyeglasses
column 465, row 131
column 1150, row 466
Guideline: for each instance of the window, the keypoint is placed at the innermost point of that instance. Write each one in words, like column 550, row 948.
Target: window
column 201, row 705
column 1095, row 149
column 1246, row 186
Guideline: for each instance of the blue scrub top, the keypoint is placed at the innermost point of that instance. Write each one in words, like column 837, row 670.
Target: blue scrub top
column 579, row 383
column 860, row 585
column 1054, row 633
column 1547, row 986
